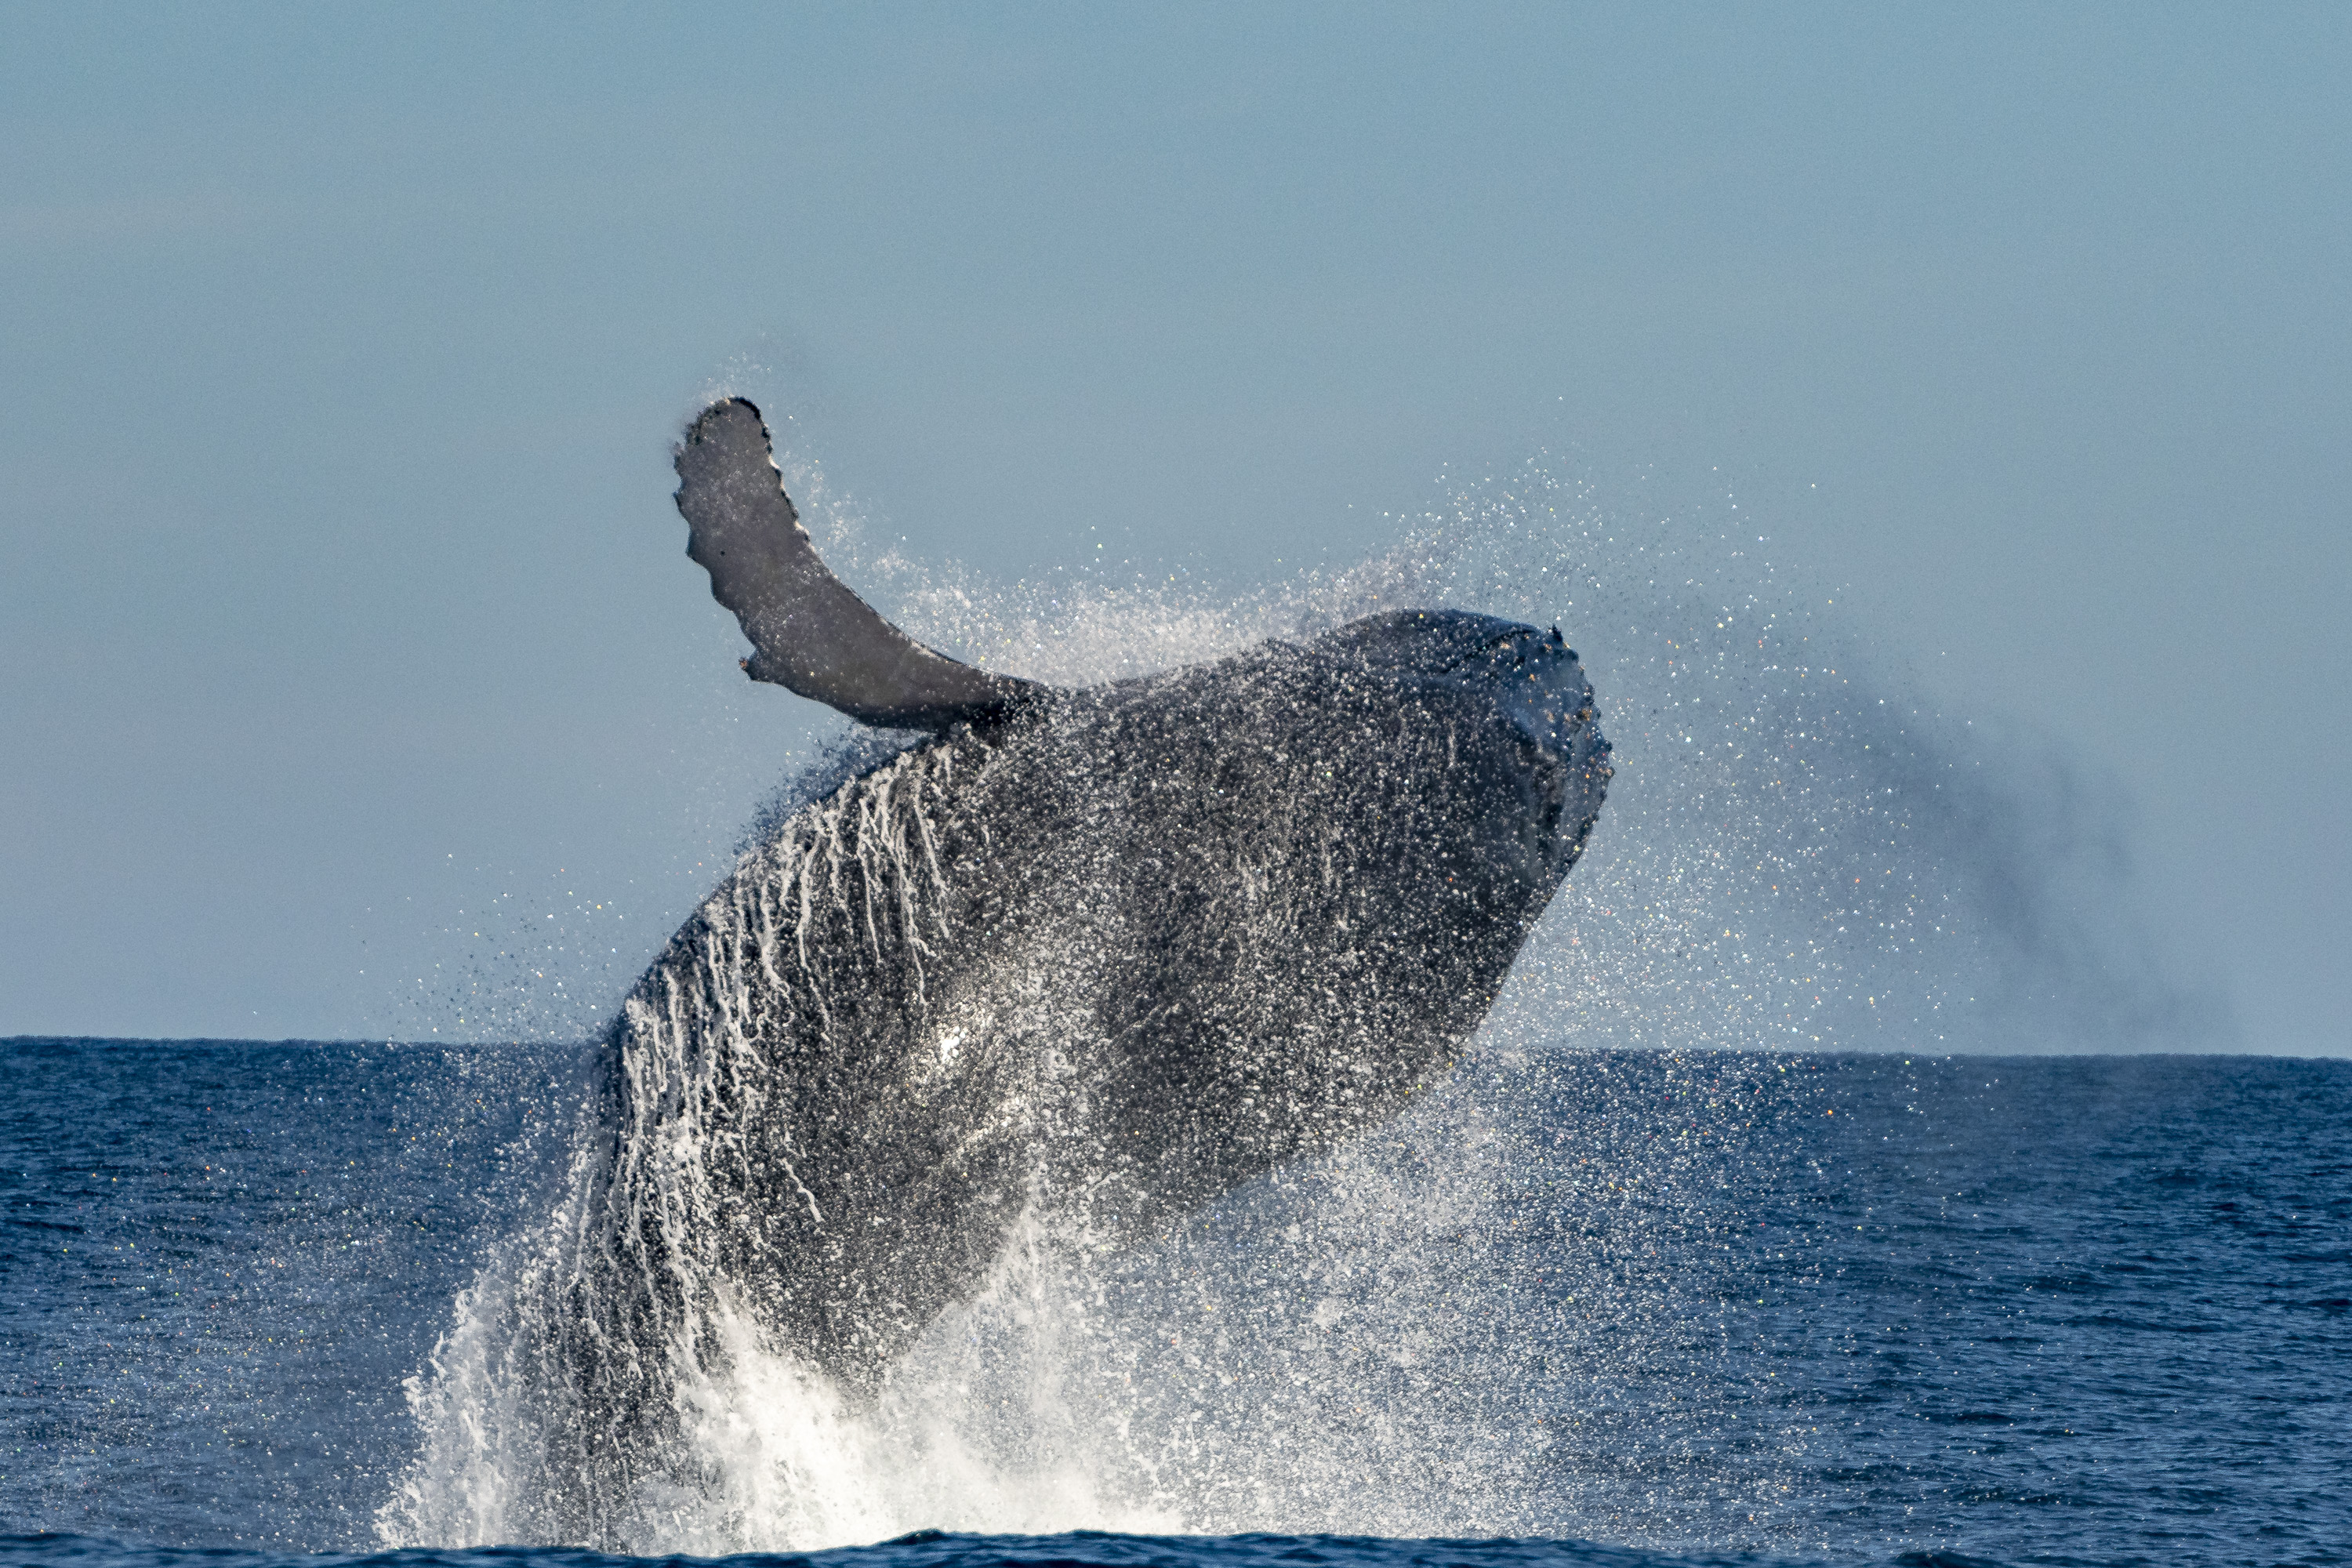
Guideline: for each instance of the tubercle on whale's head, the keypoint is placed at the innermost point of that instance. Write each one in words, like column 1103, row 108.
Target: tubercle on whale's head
column 1533, row 675
column 1536, row 686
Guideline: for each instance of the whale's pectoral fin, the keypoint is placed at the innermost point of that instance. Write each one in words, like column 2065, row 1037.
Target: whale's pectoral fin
column 809, row 633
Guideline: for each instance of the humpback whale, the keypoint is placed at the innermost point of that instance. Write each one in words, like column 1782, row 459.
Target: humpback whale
column 1101, row 953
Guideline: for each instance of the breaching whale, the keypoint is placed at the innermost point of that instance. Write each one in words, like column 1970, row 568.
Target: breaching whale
column 1103, row 953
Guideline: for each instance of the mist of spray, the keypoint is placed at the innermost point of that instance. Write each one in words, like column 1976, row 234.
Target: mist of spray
column 1797, row 853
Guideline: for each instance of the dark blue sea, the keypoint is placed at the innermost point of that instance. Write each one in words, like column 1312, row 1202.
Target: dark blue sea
column 1578, row 1308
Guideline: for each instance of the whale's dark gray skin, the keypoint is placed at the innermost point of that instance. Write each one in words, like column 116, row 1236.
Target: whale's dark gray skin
column 1102, row 952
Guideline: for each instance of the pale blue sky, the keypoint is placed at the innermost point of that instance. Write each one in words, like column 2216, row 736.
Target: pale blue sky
column 339, row 351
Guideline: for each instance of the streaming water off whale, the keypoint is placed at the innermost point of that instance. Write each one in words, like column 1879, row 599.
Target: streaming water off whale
column 1606, row 1283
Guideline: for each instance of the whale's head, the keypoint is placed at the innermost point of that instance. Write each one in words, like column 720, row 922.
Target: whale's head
column 1529, row 684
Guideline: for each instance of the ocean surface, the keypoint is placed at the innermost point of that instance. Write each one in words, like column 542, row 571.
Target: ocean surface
column 1608, row 1308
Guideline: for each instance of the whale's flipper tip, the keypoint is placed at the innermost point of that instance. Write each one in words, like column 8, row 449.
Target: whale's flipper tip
column 809, row 632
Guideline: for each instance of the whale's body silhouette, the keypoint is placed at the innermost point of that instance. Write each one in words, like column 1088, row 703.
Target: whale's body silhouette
column 1103, row 953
